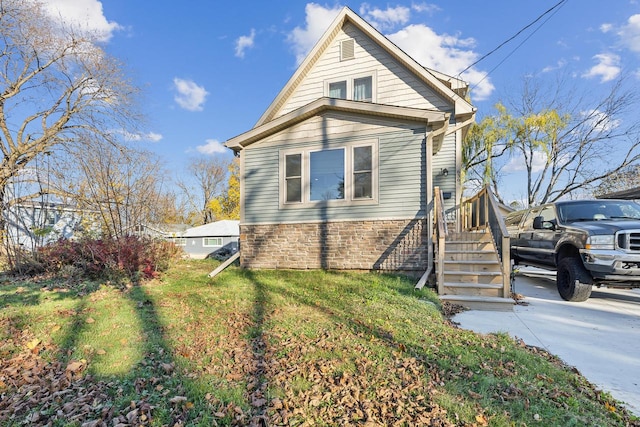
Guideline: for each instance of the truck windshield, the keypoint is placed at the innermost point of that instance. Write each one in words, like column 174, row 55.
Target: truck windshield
column 598, row 210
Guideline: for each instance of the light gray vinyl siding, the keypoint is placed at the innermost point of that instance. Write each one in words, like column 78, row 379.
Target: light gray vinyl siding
column 195, row 248
column 401, row 182
column 394, row 83
column 446, row 159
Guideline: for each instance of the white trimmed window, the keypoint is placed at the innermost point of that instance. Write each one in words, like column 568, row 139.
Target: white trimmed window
column 337, row 175
column 179, row 241
column 209, row 242
column 357, row 88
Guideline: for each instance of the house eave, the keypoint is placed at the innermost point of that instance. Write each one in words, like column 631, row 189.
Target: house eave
column 434, row 119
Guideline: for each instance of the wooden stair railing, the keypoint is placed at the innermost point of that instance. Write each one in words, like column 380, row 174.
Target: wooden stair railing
column 472, row 266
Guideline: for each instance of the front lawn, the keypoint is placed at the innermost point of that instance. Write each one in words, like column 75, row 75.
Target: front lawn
column 270, row 348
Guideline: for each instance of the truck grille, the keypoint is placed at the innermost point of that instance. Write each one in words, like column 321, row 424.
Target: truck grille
column 629, row 240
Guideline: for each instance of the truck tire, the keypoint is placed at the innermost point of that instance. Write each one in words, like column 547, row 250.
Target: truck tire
column 573, row 280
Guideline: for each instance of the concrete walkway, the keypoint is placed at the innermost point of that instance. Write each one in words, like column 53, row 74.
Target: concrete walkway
column 600, row 337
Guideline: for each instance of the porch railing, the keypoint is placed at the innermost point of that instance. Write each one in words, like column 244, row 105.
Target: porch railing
column 480, row 212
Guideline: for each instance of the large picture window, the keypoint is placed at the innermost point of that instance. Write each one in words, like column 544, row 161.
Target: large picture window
column 335, row 175
column 326, row 173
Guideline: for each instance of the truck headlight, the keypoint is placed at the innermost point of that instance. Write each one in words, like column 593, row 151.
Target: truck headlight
column 600, row 242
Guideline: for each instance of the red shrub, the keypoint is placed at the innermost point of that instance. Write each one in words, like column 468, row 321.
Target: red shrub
column 128, row 257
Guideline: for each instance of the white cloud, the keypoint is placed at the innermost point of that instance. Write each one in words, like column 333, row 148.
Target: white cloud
column 385, row 19
column 630, row 33
column 212, row 146
column 140, row 136
column 607, row 68
column 447, row 54
column 190, row 96
column 560, row 64
column 244, row 42
column 317, row 21
column 600, row 121
column 425, row 7
column 517, row 163
column 605, row 28
column 85, row 16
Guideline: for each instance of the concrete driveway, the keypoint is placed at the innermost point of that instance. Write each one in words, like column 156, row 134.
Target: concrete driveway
column 600, row 337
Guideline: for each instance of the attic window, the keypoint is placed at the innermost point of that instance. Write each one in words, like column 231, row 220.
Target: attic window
column 354, row 88
column 347, row 49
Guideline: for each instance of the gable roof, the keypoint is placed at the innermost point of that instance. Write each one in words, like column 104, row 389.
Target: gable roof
column 225, row 227
column 435, row 119
column 346, row 15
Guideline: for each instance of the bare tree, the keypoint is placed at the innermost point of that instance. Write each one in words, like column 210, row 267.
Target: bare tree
column 205, row 180
column 565, row 142
column 56, row 87
column 624, row 179
column 123, row 187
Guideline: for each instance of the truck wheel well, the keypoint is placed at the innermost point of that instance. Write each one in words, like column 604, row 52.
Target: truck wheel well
column 567, row 251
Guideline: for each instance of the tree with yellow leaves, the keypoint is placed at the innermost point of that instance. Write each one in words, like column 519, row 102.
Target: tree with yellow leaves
column 227, row 206
column 562, row 142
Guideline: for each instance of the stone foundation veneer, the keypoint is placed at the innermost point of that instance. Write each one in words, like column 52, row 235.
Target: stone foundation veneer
column 385, row 245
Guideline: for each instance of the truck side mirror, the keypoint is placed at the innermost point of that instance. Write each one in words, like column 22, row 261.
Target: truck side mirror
column 540, row 224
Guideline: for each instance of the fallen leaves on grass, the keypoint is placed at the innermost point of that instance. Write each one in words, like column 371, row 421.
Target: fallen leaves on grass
column 38, row 392
column 450, row 309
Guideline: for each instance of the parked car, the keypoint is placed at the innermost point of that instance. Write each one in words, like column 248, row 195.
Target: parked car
column 587, row 242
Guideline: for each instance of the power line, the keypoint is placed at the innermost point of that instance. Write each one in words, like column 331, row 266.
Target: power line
column 516, row 48
column 554, row 7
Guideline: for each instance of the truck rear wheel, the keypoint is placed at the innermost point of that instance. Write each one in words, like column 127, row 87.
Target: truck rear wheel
column 573, row 280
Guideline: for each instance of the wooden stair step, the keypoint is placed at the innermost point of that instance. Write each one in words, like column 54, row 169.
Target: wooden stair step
column 473, row 289
column 468, row 244
column 471, row 255
column 473, row 273
column 473, row 302
column 472, row 261
column 475, row 266
column 473, row 285
column 475, row 251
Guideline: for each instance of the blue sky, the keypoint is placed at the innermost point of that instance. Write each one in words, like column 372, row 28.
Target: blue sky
column 208, row 69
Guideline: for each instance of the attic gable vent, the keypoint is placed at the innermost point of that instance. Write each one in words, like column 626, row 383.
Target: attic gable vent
column 347, row 49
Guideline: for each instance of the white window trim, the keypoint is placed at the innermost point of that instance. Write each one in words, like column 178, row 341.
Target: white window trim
column 349, row 200
column 350, row 79
column 205, row 245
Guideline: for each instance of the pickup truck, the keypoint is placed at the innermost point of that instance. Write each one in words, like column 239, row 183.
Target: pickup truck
column 587, row 242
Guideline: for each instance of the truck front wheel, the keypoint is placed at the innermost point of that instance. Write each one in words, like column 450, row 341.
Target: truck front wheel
column 573, row 280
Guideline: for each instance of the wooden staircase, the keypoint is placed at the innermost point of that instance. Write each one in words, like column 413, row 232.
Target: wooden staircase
column 472, row 274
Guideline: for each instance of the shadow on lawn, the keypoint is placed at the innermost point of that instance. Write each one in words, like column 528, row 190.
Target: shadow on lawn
column 152, row 389
column 257, row 378
column 25, row 293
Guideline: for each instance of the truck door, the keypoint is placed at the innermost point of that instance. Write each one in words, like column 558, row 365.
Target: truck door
column 545, row 236
column 525, row 236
